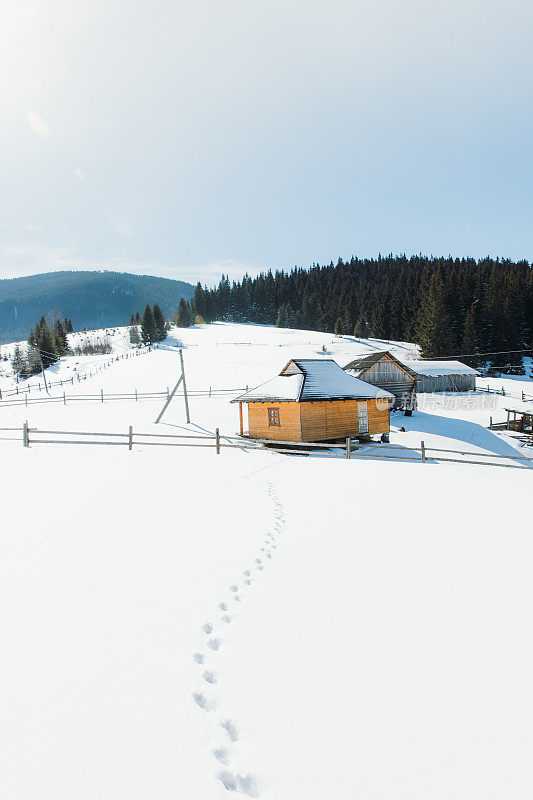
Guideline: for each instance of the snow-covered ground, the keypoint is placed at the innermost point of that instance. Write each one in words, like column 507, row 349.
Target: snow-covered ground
column 180, row 624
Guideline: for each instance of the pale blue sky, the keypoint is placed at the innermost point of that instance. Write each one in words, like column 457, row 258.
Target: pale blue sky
column 190, row 138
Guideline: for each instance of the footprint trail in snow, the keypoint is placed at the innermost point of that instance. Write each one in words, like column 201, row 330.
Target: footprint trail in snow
column 225, row 733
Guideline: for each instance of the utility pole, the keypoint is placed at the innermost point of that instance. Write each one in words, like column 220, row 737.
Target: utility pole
column 173, row 392
column 184, row 387
column 42, row 368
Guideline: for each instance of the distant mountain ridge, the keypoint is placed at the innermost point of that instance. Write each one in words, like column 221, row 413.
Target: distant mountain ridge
column 91, row 299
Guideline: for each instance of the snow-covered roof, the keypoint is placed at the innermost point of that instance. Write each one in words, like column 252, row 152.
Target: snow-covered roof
column 436, row 368
column 283, row 387
column 312, row 379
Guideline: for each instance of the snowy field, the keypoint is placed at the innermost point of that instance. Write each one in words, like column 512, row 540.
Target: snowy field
column 180, row 624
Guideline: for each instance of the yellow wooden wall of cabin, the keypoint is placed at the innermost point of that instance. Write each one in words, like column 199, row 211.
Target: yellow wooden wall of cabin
column 316, row 421
column 289, row 428
column 378, row 416
column 337, row 419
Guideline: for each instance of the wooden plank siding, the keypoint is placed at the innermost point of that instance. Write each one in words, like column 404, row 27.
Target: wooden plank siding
column 289, row 428
column 386, row 374
column 378, row 417
column 385, row 371
column 445, row 383
column 315, row 421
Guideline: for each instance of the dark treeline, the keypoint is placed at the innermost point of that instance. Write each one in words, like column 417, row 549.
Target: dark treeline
column 91, row 299
column 451, row 307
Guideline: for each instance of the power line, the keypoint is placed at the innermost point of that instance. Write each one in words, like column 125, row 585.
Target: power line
column 476, row 355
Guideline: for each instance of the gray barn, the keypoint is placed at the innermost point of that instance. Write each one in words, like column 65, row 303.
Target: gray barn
column 443, row 376
column 386, row 371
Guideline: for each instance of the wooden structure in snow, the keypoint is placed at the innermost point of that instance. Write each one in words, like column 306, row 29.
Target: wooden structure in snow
column 443, row 376
column 314, row 400
column 384, row 370
column 521, row 421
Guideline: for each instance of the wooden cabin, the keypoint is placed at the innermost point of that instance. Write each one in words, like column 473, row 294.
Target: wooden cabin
column 314, row 400
column 384, row 370
column 443, row 376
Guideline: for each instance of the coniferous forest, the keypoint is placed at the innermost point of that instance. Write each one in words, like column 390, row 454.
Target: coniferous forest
column 91, row 299
column 460, row 308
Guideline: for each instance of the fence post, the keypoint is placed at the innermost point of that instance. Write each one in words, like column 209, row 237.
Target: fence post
column 135, row 395
column 217, row 438
column 348, row 448
column 130, row 438
column 26, row 400
column 423, row 452
column 64, row 399
column 490, row 425
column 25, row 437
column 209, row 391
column 102, row 394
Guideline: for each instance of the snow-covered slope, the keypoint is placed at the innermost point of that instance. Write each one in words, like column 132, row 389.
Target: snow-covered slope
column 180, row 624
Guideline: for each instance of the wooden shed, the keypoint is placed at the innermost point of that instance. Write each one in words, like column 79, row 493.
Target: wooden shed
column 521, row 421
column 314, row 400
column 384, row 370
column 443, row 376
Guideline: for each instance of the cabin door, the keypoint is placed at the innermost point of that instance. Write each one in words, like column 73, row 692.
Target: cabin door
column 362, row 417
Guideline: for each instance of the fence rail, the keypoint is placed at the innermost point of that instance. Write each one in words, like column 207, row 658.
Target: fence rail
column 39, row 386
column 525, row 398
column 349, row 449
column 101, row 396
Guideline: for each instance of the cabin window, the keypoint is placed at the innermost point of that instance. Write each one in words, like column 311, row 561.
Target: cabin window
column 273, row 416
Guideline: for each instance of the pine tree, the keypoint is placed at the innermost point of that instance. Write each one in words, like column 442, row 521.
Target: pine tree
column 137, row 318
column 361, row 329
column 282, row 320
column 42, row 340
column 434, row 333
column 470, row 347
column 347, row 323
column 18, row 362
column 33, row 362
column 339, row 327
column 47, row 346
column 159, row 322
column 132, row 319
column 182, row 317
column 60, row 338
column 148, row 330
column 135, row 339
column 514, row 359
column 198, row 304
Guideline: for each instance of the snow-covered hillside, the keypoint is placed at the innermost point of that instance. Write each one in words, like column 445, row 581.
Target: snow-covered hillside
column 180, row 624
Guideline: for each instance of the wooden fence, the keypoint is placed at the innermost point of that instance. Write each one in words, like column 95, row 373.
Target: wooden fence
column 525, row 398
column 350, row 449
column 101, row 396
column 77, row 377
